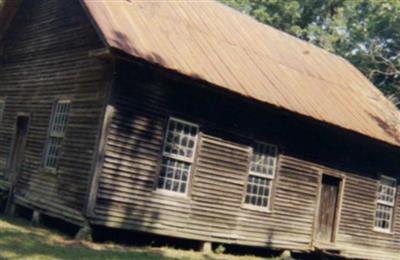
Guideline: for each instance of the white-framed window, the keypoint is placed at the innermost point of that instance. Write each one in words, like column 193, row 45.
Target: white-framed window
column 177, row 156
column 57, row 127
column 261, row 175
column 385, row 203
column 2, row 105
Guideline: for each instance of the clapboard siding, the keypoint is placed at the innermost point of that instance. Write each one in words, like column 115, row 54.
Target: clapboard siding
column 46, row 57
column 217, row 185
column 143, row 100
column 213, row 210
column 357, row 220
column 293, row 207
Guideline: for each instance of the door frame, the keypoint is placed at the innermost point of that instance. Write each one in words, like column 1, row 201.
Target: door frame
column 12, row 177
column 338, row 210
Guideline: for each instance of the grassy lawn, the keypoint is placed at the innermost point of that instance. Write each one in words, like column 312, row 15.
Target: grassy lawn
column 19, row 240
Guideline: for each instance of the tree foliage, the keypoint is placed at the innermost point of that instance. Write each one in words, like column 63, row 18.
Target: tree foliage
column 366, row 32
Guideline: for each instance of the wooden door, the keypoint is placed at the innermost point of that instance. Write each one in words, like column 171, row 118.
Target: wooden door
column 327, row 214
column 17, row 149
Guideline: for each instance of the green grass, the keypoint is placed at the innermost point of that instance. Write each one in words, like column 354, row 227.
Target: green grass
column 19, row 240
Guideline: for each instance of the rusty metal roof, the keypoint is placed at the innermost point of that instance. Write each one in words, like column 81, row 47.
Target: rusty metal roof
column 212, row 42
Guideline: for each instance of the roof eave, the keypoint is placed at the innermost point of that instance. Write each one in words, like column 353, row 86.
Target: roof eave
column 119, row 54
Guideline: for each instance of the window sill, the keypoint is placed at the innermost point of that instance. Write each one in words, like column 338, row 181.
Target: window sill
column 49, row 171
column 171, row 194
column 256, row 208
column 383, row 231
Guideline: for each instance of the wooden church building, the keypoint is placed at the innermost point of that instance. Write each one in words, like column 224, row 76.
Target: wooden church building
column 191, row 120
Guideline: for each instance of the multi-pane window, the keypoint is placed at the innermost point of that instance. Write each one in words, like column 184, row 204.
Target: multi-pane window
column 2, row 104
column 178, row 155
column 385, row 203
column 261, row 175
column 57, row 127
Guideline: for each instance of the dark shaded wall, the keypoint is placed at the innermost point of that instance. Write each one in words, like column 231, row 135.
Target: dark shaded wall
column 46, row 58
column 143, row 100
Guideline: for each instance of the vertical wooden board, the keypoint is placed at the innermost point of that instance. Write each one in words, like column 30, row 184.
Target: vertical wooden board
column 18, row 147
column 327, row 209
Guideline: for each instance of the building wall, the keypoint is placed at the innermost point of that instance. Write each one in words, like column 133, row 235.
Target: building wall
column 356, row 237
column 46, row 58
column 142, row 102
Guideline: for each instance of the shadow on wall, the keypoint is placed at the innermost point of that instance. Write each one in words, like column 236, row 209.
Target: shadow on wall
column 125, row 196
column 126, row 199
column 142, row 106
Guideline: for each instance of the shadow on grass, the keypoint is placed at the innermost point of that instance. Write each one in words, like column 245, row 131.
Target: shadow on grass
column 19, row 242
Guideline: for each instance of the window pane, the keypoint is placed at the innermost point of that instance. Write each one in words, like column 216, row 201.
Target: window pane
column 262, row 169
column 180, row 139
column 60, row 117
column 263, row 160
column 386, row 201
column 383, row 217
column 258, row 191
column 53, row 152
column 174, row 175
column 387, row 190
column 57, row 128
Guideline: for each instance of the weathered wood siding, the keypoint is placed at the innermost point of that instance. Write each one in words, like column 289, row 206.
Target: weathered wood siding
column 46, row 58
column 143, row 100
column 356, row 236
